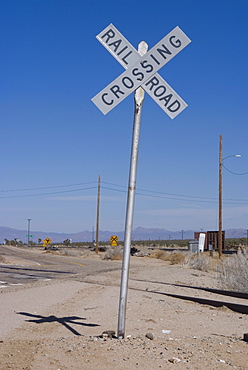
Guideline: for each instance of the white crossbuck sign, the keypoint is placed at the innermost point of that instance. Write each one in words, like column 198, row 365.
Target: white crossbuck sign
column 141, row 71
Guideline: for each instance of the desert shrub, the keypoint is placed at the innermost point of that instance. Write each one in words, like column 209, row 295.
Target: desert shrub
column 50, row 251
column 160, row 255
column 64, row 251
column 202, row 262
column 235, row 243
column 174, row 258
column 2, row 259
column 234, row 273
column 71, row 252
column 113, row 254
column 177, row 258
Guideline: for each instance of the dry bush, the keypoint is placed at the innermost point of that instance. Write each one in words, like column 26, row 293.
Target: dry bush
column 160, row 255
column 203, row 262
column 113, row 254
column 174, row 258
column 65, row 252
column 70, row 252
column 234, row 273
column 177, row 258
column 116, row 257
column 199, row 262
column 51, row 251
column 2, row 259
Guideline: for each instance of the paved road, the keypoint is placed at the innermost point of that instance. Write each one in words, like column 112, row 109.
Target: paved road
column 28, row 266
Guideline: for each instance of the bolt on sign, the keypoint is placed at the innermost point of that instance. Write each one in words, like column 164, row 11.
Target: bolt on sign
column 114, row 240
column 141, row 71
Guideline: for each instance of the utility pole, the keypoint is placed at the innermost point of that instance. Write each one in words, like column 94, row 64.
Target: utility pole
column 93, row 235
column 220, row 201
column 29, row 219
column 97, row 214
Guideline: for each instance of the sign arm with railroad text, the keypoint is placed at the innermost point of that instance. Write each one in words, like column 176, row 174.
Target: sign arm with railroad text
column 142, row 71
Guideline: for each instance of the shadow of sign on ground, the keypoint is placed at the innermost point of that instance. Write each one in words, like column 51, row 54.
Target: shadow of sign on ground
column 65, row 321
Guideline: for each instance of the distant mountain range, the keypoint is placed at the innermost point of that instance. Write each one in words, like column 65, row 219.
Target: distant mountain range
column 140, row 233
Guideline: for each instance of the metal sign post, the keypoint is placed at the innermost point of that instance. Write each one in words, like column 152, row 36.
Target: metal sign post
column 139, row 98
column 28, row 235
column 98, row 214
column 140, row 76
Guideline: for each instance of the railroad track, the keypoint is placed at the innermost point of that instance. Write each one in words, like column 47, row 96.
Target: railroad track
column 215, row 301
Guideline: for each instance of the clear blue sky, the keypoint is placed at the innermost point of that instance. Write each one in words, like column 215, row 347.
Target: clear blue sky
column 53, row 136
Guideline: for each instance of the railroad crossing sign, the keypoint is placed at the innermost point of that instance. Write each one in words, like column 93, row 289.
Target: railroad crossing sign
column 114, row 240
column 140, row 75
column 47, row 241
column 141, row 71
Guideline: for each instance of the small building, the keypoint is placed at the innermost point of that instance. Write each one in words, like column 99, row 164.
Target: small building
column 211, row 240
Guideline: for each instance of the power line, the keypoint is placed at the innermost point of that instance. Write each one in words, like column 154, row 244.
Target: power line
column 52, row 193
column 174, row 195
column 178, row 198
column 140, row 192
column 47, row 187
column 160, row 192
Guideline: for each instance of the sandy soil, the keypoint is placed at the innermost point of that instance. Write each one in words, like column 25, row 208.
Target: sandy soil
column 59, row 325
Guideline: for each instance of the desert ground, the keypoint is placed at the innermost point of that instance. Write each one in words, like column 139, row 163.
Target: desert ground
column 62, row 325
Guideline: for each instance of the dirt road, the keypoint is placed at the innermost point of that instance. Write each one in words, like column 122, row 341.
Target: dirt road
column 58, row 324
